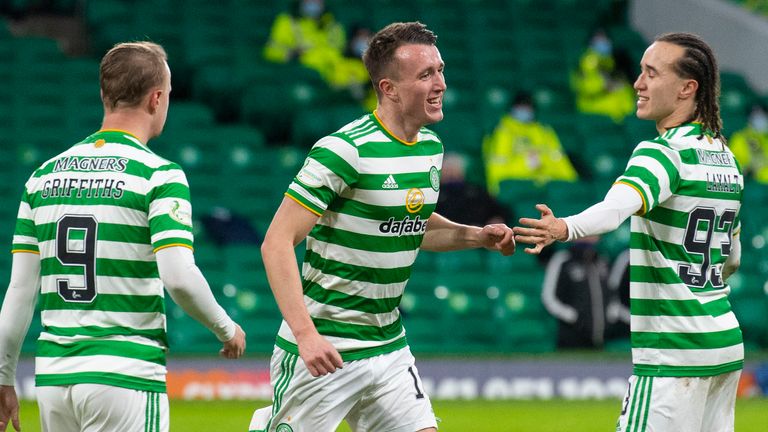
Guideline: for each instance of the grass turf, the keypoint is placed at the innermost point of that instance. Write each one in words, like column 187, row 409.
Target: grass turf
column 476, row 416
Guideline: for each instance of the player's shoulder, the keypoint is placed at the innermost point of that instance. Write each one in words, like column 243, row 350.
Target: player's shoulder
column 426, row 134
column 358, row 131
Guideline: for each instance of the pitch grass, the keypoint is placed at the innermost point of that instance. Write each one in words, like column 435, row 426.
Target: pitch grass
column 475, row 416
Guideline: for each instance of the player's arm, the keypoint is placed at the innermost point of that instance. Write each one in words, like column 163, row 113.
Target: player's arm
column 443, row 235
column 621, row 202
column 189, row 289
column 289, row 227
column 15, row 316
column 733, row 261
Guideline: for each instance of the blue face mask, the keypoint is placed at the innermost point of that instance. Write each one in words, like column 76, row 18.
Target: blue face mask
column 311, row 9
column 522, row 113
column 759, row 122
column 359, row 46
column 602, row 46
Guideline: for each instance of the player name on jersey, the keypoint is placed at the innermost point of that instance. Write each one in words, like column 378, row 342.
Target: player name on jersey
column 82, row 188
column 723, row 183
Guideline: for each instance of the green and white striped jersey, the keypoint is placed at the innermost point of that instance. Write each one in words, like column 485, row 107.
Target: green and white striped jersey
column 96, row 213
column 374, row 194
column 682, row 322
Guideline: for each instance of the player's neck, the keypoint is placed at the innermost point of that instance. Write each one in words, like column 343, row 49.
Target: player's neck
column 675, row 119
column 129, row 122
column 397, row 124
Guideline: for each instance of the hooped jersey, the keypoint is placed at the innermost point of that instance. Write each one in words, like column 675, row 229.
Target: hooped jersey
column 96, row 214
column 374, row 195
column 682, row 322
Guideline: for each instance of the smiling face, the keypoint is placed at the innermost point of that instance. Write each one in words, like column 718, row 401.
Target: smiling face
column 419, row 84
column 662, row 95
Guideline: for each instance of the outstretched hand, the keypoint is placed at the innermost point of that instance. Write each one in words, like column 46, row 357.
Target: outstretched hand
column 9, row 408
column 498, row 237
column 540, row 232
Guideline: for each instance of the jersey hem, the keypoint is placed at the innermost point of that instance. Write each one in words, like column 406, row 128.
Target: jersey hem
column 686, row 371
column 110, row 379
column 350, row 355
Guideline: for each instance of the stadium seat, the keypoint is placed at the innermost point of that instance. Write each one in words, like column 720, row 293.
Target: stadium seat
column 425, row 318
column 457, row 261
column 521, row 196
column 185, row 334
column 315, row 122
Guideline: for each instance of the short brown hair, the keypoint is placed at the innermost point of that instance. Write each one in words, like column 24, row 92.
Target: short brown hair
column 381, row 51
column 129, row 71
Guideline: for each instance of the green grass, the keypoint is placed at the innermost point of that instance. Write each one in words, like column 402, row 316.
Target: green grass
column 476, row 416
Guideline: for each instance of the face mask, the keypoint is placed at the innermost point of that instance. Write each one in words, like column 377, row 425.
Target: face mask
column 523, row 113
column 311, row 9
column 602, row 46
column 759, row 122
column 359, row 46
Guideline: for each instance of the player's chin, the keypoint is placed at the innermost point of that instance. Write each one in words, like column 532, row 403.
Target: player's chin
column 434, row 115
column 643, row 114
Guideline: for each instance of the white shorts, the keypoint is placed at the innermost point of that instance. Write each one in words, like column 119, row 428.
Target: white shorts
column 101, row 408
column 382, row 393
column 684, row 404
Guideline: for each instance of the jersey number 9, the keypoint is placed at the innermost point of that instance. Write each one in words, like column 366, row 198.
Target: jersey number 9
column 76, row 247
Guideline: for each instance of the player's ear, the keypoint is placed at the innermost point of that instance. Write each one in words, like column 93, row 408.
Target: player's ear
column 689, row 89
column 154, row 100
column 389, row 89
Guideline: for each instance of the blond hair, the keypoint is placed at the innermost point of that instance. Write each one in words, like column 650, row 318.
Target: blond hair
column 129, row 71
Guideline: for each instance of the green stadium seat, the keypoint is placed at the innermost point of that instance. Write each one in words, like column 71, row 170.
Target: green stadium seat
column 736, row 95
column 501, row 266
column 99, row 12
column 472, row 322
column 456, row 261
column 425, row 318
column 188, row 116
column 185, row 334
column 315, row 122
column 752, row 313
column 460, row 132
column 521, row 196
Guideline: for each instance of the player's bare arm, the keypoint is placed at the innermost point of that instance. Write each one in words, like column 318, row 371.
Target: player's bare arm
column 290, row 226
column 444, row 235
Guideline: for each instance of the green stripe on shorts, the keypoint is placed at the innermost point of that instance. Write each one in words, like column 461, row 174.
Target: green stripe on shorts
column 287, row 368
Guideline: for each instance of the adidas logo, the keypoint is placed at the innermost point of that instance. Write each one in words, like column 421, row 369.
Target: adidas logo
column 390, row 183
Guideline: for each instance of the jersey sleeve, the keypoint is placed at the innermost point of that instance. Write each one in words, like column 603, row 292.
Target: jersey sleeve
column 330, row 168
column 25, row 233
column 654, row 172
column 170, row 210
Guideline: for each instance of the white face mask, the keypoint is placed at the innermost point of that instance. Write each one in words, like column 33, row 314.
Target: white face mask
column 759, row 122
